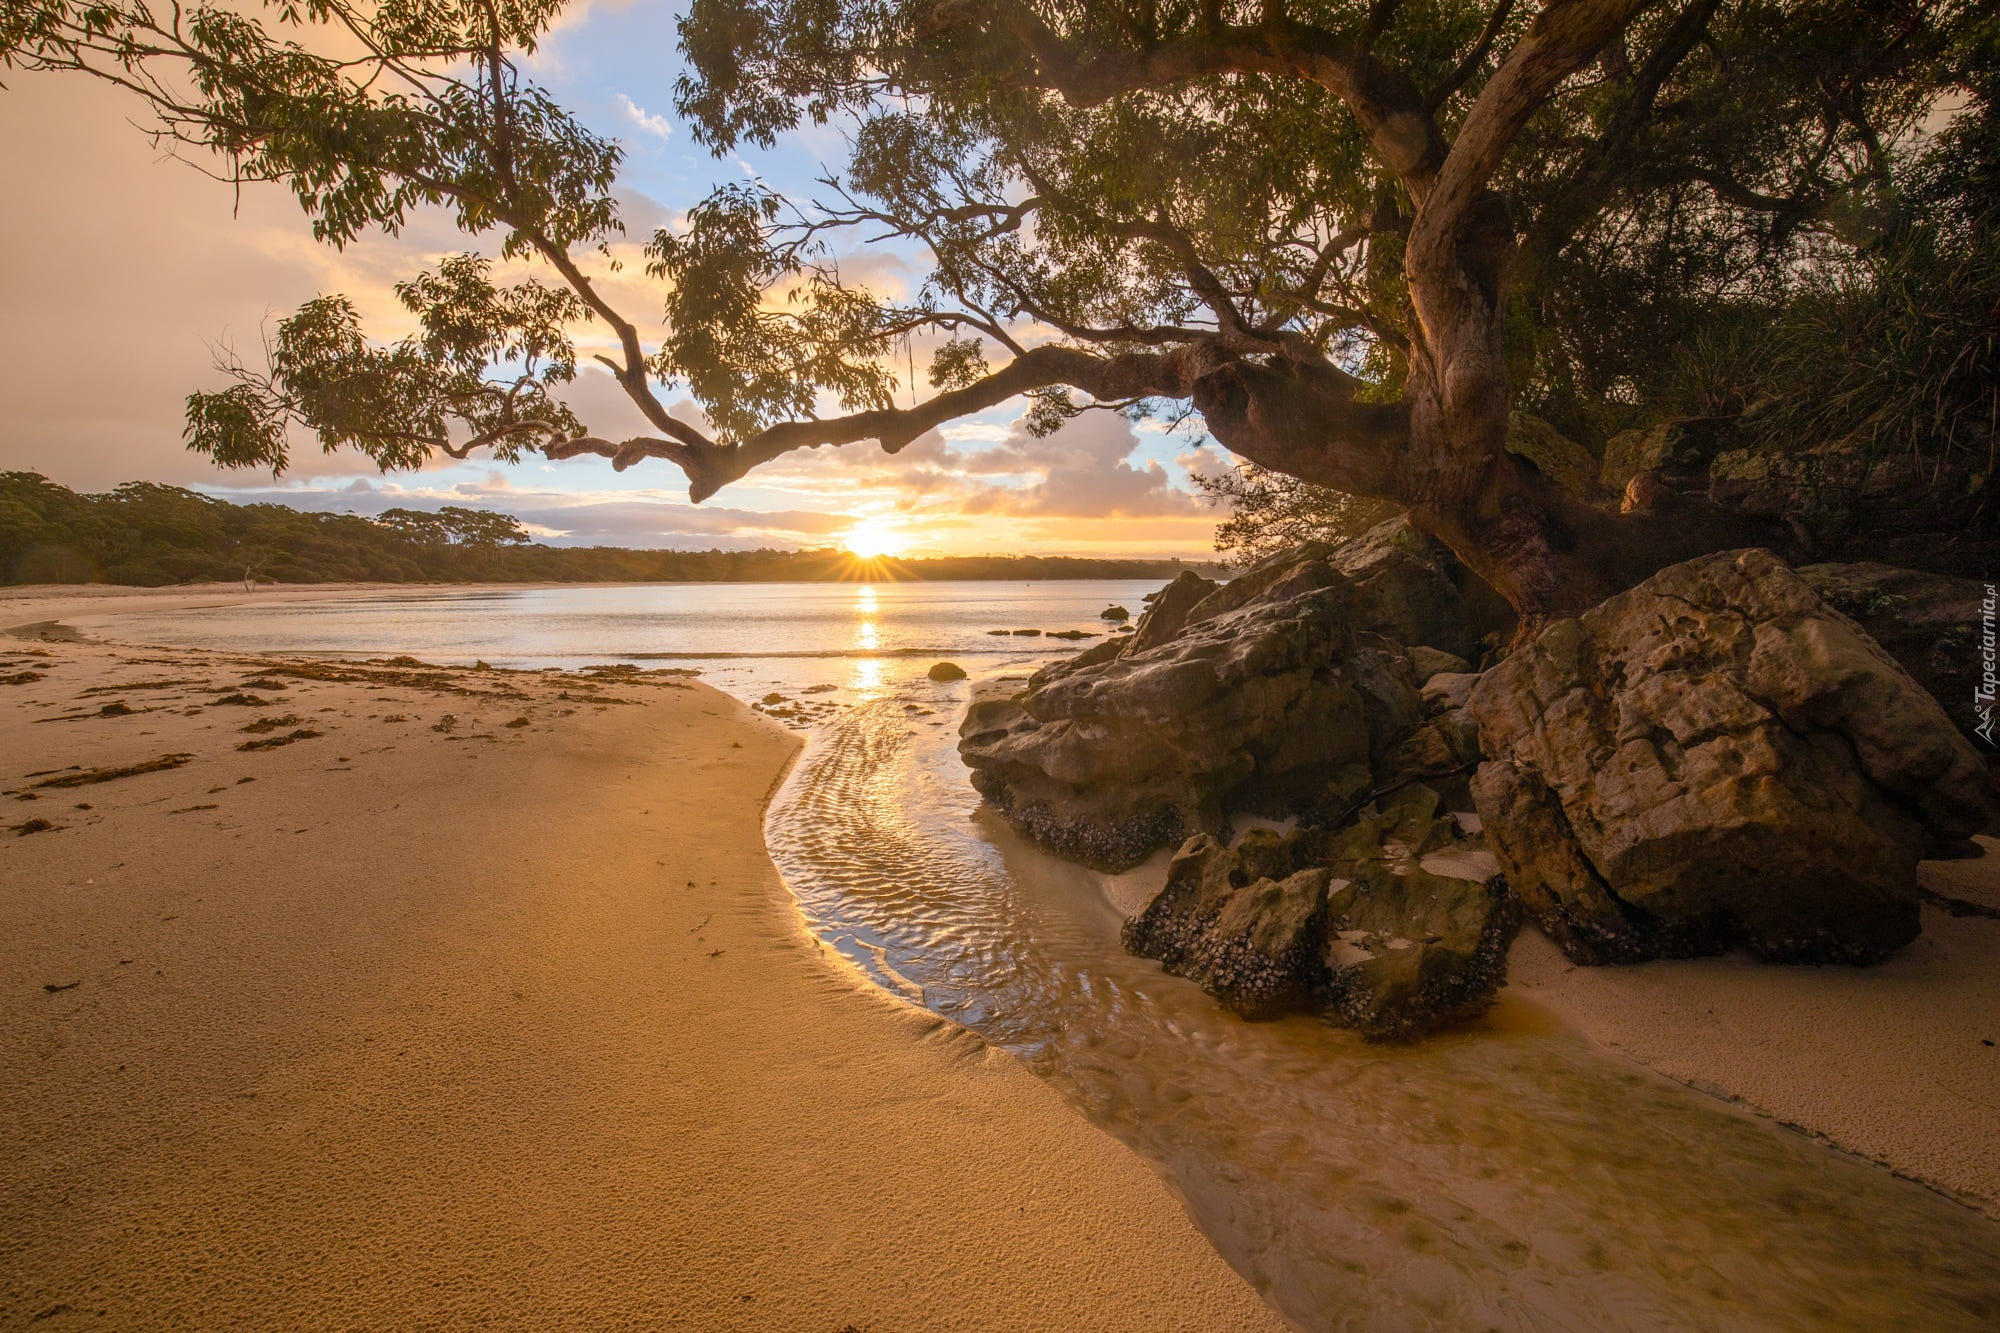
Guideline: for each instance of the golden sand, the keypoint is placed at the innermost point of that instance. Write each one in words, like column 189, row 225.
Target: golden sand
column 395, row 1026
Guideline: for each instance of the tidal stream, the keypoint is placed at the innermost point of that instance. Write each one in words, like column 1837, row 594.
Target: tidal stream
column 1508, row 1176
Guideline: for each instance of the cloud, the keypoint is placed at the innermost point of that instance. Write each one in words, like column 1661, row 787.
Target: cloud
column 568, row 519
column 656, row 125
column 122, row 270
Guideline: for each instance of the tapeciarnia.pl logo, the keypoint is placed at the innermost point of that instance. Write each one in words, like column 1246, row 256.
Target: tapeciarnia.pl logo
column 1982, row 694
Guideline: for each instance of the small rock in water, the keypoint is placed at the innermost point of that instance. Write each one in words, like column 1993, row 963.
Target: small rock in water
column 946, row 671
column 1117, row 613
column 1071, row 634
column 1029, row 633
column 1001, row 633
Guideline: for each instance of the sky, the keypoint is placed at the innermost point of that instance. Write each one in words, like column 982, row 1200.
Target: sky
column 124, row 272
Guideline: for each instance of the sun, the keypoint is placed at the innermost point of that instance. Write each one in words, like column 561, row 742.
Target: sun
column 872, row 538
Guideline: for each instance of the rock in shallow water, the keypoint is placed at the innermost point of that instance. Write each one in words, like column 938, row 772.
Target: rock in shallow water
column 1715, row 758
column 1391, row 926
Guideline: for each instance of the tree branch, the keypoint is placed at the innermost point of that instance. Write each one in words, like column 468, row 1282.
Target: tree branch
column 1389, row 107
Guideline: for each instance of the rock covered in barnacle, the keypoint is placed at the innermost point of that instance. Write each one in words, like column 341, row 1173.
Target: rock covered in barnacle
column 1392, row 925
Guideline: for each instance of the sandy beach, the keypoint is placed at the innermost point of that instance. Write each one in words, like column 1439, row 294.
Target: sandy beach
column 390, row 997
column 1898, row 1063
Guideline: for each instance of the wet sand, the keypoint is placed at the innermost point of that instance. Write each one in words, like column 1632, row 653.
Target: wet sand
column 394, row 1026
column 1899, row 1062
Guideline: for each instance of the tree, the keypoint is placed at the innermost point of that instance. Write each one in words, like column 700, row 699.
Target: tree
column 1270, row 512
column 453, row 525
column 1348, row 235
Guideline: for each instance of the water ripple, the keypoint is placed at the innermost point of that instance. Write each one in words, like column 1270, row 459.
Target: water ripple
column 1507, row 1176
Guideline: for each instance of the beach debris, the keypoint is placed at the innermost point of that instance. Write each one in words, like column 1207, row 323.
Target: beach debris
column 717, row 953
column 89, row 776
column 516, row 724
column 240, row 699
column 946, row 671
column 394, row 672
column 697, row 926
column 445, row 723
column 22, row 830
column 273, row 742
column 190, row 809
column 21, row 678
column 117, row 708
column 45, row 631
column 54, row 988
column 264, row 724
column 140, row 685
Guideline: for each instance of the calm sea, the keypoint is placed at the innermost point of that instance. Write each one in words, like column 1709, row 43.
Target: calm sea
column 1506, row 1177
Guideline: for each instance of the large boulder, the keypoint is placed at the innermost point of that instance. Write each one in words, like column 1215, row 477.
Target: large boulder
column 1928, row 622
column 1717, row 758
column 1408, row 588
column 1265, row 698
column 1391, row 926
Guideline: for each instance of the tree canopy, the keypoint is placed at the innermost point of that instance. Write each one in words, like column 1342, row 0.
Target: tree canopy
column 1352, row 237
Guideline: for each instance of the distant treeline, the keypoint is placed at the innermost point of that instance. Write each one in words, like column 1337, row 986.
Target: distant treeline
column 148, row 535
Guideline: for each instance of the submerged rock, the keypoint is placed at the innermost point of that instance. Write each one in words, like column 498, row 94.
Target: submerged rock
column 1716, row 758
column 1392, row 927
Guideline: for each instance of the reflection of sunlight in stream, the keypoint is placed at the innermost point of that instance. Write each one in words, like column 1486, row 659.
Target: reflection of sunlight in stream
column 869, row 676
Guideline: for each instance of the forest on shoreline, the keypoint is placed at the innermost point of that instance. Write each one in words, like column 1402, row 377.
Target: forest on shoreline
column 144, row 534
